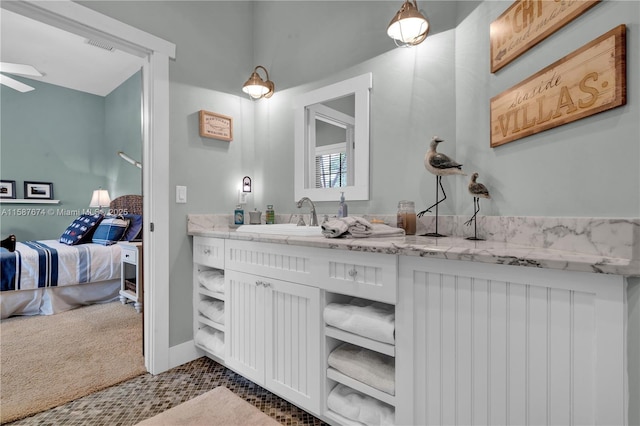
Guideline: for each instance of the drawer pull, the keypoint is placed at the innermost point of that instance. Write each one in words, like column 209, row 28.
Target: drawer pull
column 352, row 273
column 127, row 256
column 206, row 251
column 263, row 284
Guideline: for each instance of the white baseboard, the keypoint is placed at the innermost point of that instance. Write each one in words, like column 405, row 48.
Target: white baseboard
column 183, row 353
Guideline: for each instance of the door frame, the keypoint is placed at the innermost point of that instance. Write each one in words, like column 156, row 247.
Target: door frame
column 86, row 22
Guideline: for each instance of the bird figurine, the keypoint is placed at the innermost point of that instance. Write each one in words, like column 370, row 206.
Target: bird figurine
column 440, row 165
column 478, row 191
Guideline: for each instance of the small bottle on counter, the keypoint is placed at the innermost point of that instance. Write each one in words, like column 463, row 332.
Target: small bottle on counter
column 407, row 217
column 238, row 215
column 270, row 215
column 342, row 207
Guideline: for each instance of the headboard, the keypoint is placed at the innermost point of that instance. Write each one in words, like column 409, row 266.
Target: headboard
column 130, row 203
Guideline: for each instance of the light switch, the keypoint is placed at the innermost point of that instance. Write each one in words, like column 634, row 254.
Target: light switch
column 181, row 194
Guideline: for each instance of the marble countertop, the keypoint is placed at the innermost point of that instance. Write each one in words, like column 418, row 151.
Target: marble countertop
column 451, row 248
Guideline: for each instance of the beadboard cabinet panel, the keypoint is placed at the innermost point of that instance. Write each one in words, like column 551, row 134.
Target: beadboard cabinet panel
column 495, row 345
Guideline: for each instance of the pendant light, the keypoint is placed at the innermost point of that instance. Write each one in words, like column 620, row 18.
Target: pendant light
column 409, row 27
column 256, row 87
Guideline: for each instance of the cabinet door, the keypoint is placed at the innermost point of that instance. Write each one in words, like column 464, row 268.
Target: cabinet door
column 292, row 339
column 245, row 328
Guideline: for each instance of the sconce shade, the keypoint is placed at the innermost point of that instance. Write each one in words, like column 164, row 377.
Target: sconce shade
column 409, row 27
column 100, row 198
column 246, row 184
column 256, row 87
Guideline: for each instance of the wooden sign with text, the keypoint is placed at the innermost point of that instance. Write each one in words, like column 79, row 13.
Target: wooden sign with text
column 588, row 81
column 526, row 23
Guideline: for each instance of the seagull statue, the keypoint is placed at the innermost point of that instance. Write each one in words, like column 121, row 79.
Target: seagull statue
column 440, row 165
column 478, row 191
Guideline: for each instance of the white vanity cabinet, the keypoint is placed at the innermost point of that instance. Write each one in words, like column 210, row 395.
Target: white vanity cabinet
column 273, row 332
column 496, row 344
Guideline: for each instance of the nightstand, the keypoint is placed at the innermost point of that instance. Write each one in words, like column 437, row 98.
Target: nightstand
column 131, row 288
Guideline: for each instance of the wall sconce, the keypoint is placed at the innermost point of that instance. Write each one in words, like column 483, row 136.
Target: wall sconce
column 409, row 27
column 256, row 87
column 129, row 160
column 100, row 199
column 246, row 184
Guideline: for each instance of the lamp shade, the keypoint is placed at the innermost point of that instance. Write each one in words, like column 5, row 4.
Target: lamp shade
column 256, row 87
column 100, row 198
column 408, row 27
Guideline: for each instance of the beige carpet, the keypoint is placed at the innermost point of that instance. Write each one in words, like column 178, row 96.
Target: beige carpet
column 47, row 361
column 216, row 407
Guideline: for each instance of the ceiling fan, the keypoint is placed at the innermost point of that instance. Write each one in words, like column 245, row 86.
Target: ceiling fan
column 19, row 69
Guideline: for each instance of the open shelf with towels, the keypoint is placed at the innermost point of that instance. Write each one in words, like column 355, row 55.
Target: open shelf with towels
column 359, row 366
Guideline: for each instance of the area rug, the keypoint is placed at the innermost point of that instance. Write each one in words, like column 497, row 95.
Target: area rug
column 47, row 361
column 216, row 407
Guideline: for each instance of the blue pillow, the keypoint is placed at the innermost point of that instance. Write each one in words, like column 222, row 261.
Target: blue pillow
column 110, row 231
column 81, row 229
column 134, row 231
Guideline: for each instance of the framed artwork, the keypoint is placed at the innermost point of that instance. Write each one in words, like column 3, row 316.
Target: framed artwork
column 526, row 23
column 590, row 80
column 38, row 190
column 7, row 188
column 216, row 126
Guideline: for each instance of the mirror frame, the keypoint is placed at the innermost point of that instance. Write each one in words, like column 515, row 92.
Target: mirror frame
column 359, row 86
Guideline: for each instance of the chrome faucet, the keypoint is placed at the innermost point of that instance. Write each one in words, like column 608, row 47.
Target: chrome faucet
column 314, row 217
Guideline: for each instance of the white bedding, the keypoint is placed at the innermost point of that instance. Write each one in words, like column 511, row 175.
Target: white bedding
column 51, row 277
column 83, row 263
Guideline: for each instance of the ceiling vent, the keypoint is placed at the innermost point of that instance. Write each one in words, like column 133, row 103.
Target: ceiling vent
column 101, row 44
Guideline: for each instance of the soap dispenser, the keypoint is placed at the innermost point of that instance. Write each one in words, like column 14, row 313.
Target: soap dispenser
column 342, row 207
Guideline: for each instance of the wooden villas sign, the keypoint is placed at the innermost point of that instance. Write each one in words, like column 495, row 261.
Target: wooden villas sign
column 588, row 81
column 526, row 23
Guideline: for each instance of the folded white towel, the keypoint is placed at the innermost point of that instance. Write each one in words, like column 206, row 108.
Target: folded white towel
column 356, row 406
column 377, row 230
column 344, row 226
column 374, row 320
column 212, row 309
column 372, row 368
column 212, row 340
column 212, row 280
column 357, row 227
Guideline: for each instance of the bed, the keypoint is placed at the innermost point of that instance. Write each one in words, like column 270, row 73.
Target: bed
column 48, row 276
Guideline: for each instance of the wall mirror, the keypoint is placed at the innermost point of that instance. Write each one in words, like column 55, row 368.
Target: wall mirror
column 332, row 141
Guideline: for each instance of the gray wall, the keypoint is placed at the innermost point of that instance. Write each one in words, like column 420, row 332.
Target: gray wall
column 441, row 87
column 67, row 137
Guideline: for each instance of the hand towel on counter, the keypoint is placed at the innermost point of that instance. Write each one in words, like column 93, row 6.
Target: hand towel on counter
column 212, row 340
column 357, row 227
column 212, row 309
column 362, row 408
column 371, row 368
column 366, row 318
column 212, row 280
column 377, row 230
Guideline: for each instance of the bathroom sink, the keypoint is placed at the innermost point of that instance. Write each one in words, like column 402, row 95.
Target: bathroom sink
column 282, row 229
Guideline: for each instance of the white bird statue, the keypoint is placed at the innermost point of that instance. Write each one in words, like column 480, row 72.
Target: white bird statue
column 440, row 165
column 478, row 191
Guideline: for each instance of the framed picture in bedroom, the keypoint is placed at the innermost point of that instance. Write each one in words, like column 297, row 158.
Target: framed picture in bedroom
column 38, row 190
column 7, row 188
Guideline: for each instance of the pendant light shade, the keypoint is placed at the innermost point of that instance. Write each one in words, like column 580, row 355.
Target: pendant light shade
column 256, row 87
column 409, row 27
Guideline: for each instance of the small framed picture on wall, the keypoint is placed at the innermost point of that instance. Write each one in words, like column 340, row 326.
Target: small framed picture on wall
column 7, row 188
column 38, row 190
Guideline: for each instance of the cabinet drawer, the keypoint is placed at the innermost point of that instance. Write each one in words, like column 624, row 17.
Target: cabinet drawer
column 208, row 251
column 371, row 276
column 130, row 254
column 278, row 261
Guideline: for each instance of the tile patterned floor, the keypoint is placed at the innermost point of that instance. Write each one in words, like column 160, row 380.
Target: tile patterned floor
column 145, row 396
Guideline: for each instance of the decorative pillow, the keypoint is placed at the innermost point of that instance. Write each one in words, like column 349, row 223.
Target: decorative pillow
column 81, row 229
column 110, row 231
column 134, row 231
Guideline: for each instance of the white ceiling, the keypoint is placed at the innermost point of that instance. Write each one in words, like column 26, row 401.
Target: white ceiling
column 64, row 58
